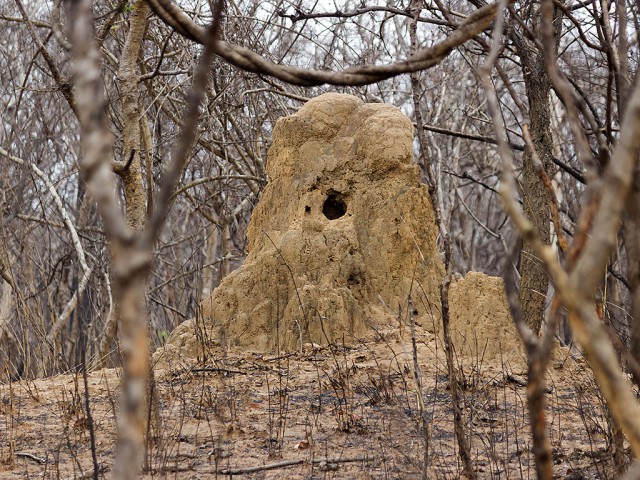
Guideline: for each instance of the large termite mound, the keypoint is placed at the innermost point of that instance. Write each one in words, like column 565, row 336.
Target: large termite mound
column 342, row 234
column 480, row 322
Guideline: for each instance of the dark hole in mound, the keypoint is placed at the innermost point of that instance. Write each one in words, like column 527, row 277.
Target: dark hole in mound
column 334, row 207
column 307, row 209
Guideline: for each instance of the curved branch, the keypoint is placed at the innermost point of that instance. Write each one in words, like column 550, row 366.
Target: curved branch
column 248, row 60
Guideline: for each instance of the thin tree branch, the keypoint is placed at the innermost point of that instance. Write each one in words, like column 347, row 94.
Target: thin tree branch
column 300, row 15
column 575, row 173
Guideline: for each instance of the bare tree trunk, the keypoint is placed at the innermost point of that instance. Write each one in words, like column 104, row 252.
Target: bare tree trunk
column 136, row 142
column 129, row 168
column 10, row 361
column 631, row 231
column 534, row 281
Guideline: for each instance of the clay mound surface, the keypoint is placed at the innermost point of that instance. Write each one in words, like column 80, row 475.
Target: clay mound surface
column 480, row 321
column 342, row 234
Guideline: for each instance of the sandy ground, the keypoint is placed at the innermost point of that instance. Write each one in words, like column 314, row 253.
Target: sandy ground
column 344, row 412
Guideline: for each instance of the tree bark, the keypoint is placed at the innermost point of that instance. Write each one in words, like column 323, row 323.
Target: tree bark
column 631, row 231
column 534, row 281
column 129, row 169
